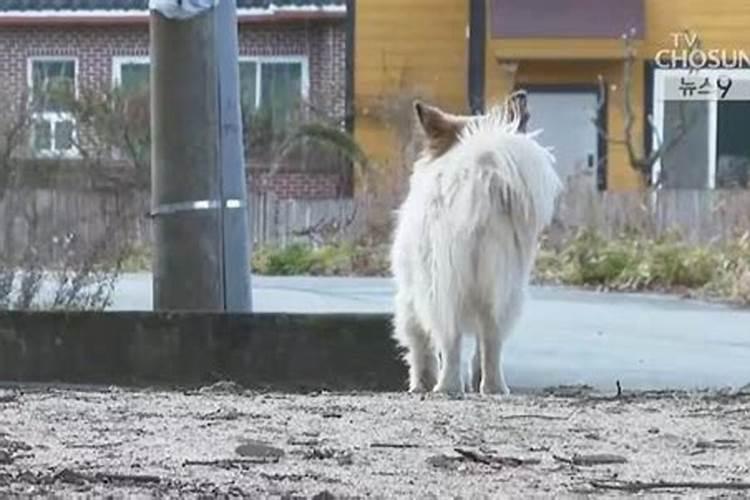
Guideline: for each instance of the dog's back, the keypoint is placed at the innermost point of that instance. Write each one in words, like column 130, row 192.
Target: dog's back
column 466, row 234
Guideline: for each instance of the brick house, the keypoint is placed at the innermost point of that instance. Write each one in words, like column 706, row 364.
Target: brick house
column 290, row 51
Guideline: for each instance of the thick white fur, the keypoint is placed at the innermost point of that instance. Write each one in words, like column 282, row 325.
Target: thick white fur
column 462, row 253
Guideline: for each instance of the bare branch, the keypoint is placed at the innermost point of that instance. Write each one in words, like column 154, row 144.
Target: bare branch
column 326, row 229
column 643, row 163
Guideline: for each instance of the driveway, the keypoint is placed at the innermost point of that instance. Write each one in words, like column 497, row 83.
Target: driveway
column 564, row 337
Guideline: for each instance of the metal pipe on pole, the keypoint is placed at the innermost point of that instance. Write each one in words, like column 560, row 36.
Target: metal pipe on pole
column 199, row 189
column 236, row 229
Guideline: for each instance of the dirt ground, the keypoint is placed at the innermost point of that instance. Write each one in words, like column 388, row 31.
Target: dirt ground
column 224, row 442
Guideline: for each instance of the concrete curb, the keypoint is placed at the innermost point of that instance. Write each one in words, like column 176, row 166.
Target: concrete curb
column 271, row 351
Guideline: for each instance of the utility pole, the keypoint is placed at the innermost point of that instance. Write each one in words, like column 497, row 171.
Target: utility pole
column 199, row 190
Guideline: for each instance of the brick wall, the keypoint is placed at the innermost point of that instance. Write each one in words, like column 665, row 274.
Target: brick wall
column 300, row 185
column 323, row 42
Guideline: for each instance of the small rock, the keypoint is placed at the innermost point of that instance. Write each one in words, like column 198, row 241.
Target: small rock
column 8, row 396
column 569, row 391
column 320, row 453
column 5, row 457
column 258, row 449
column 653, row 430
column 223, row 387
column 28, row 477
column 305, row 441
column 13, row 446
column 444, row 461
column 535, row 449
column 222, row 414
column 71, row 477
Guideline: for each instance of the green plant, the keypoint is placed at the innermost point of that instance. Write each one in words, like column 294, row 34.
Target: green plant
column 677, row 265
column 136, row 258
column 340, row 259
column 632, row 261
column 596, row 261
column 294, row 259
column 329, row 137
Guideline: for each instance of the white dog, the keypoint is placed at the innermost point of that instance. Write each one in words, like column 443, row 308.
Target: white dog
column 465, row 242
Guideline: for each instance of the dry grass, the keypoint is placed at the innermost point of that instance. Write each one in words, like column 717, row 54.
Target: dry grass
column 634, row 262
column 630, row 262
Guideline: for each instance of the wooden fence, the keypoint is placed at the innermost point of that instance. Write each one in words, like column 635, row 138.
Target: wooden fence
column 41, row 217
column 700, row 216
column 37, row 223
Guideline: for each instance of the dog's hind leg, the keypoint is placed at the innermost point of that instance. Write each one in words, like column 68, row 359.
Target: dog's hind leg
column 476, row 368
column 493, row 378
column 494, row 333
column 473, row 366
column 450, row 379
column 420, row 355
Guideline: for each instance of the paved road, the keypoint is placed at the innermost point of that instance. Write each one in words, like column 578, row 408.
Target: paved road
column 564, row 337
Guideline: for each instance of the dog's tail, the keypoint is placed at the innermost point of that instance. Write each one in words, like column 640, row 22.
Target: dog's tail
column 517, row 172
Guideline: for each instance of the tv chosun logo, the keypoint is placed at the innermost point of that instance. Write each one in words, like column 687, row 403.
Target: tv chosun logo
column 703, row 74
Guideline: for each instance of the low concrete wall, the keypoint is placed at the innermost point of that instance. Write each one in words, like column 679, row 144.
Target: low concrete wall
column 280, row 352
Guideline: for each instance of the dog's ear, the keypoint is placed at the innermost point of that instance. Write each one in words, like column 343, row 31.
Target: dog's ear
column 518, row 103
column 433, row 121
column 440, row 128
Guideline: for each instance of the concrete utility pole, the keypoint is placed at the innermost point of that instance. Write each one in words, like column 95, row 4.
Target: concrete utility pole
column 199, row 190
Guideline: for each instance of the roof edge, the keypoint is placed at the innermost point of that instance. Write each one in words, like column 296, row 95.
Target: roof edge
column 244, row 15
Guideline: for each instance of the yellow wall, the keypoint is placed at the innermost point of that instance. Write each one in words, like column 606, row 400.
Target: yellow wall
column 620, row 175
column 718, row 23
column 406, row 47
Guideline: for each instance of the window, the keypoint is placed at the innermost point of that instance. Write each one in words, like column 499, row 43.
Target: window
column 53, row 88
column 131, row 79
column 705, row 139
column 131, row 74
column 271, row 90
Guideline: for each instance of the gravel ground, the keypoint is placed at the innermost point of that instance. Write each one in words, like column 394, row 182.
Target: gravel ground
column 222, row 441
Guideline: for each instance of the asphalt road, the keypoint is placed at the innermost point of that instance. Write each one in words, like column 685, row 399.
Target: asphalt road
column 564, row 337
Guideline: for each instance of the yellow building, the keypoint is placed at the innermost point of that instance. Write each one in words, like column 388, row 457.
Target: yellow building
column 581, row 75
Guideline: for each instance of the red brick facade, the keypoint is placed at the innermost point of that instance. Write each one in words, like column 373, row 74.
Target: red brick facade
column 323, row 42
column 300, row 185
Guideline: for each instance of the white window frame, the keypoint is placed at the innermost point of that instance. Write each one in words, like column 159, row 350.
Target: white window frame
column 54, row 117
column 659, row 91
column 117, row 64
column 259, row 60
column 119, row 61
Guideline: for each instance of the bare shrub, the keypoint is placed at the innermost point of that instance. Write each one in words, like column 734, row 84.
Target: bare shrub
column 395, row 112
column 48, row 260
